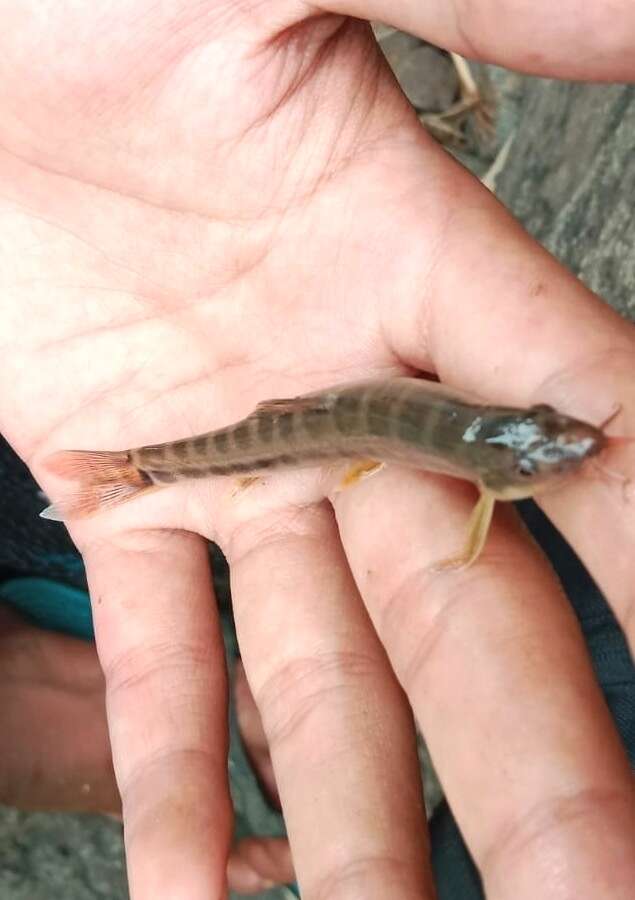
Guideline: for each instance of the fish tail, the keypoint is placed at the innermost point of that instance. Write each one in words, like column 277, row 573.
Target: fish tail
column 105, row 479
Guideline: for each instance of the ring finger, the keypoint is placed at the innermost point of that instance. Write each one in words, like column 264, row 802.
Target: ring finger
column 339, row 727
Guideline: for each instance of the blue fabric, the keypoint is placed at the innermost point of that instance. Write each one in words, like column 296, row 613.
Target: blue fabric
column 30, row 546
column 50, row 604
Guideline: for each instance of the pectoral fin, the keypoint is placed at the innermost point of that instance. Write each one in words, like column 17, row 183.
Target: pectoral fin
column 478, row 529
column 360, row 469
column 242, row 484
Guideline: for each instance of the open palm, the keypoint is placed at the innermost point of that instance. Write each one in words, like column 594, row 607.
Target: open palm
column 207, row 205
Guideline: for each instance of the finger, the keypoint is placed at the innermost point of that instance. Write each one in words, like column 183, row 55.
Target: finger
column 161, row 649
column 495, row 667
column 253, row 735
column 339, row 729
column 542, row 337
column 573, row 40
column 257, row 864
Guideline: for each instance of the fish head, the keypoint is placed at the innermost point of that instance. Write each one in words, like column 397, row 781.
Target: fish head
column 527, row 451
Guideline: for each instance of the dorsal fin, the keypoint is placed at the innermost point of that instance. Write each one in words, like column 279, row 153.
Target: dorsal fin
column 291, row 405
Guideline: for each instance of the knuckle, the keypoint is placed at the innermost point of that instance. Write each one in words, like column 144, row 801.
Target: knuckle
column 294, row 698
column 139, row 667
column 369, row 876
column 520, row 841
column 189, row 767
column 441, row 597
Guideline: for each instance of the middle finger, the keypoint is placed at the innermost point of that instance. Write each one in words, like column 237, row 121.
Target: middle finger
column 338, row 725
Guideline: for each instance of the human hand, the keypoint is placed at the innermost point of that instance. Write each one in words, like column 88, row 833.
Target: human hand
column 208, row 206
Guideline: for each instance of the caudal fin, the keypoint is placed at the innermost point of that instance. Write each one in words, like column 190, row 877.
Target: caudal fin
column 105, row 479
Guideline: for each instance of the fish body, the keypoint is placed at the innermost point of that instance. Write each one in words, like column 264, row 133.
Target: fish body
column 402, row 420
column 508, row 452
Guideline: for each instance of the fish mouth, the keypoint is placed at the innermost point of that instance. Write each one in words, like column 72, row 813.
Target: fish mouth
column 583, row 445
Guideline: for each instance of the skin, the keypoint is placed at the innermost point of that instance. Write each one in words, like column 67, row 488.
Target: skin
column 208, row 204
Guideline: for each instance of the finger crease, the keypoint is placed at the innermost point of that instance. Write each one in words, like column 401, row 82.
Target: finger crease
column 294, row 694
column 138, row 666
column 364, row 875
column 182, row 764
column 538, row 825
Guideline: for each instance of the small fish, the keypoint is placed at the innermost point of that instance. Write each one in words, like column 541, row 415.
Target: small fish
column 508, row 453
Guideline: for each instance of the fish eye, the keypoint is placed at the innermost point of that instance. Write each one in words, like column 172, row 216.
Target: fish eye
column 525, row 467
column 553, row 452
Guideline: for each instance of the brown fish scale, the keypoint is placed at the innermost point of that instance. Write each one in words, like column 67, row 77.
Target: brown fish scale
column 241, row 435
column 200, row 445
